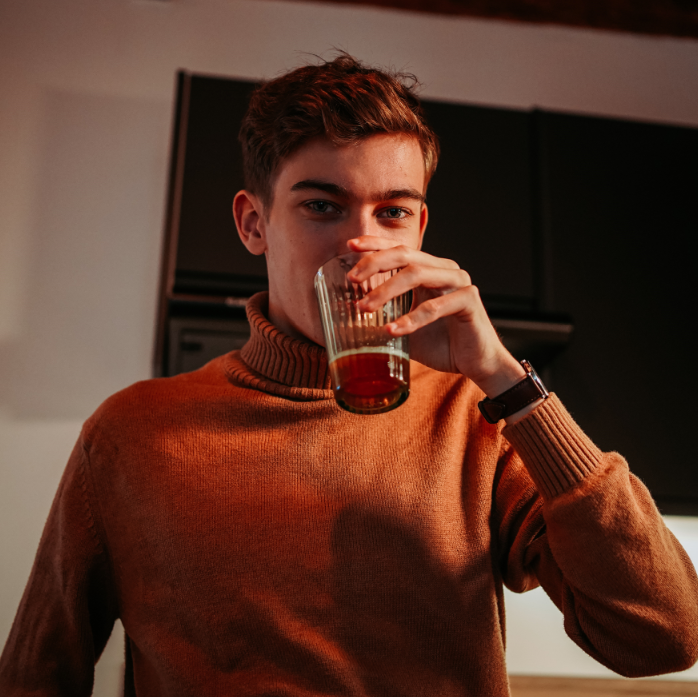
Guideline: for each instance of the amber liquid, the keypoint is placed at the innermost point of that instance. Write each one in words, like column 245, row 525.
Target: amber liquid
column 370, row 380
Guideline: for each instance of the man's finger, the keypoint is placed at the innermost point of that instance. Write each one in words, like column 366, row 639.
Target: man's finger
column 411, row 277
column 396, row 257
column 465, row 301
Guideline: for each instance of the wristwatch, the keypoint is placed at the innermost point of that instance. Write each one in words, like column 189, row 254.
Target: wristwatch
column 516, row 398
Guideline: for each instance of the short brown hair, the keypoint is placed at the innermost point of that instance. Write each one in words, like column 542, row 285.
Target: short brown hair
column 341, row 99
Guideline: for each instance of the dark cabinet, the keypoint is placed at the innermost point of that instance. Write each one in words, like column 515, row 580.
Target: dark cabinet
column 480, row 200
column 620, row 211
column 206, row 272
column 210, row 258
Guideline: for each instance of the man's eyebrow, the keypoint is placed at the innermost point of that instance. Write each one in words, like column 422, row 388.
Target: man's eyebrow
column 320, row 185
column 401, row 193
column 337, row 190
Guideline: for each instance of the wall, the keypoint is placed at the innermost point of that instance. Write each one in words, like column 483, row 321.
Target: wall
column 85, row 121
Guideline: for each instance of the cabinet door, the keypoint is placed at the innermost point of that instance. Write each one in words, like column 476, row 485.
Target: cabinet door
column 620, row 210
column 480, row 200
column 210, row 257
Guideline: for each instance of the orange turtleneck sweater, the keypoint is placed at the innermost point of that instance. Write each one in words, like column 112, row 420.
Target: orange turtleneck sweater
column 257, row 540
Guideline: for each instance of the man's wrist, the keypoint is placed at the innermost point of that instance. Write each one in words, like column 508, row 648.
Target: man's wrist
column 506, row 373
column 513, row 394
column 518, row 415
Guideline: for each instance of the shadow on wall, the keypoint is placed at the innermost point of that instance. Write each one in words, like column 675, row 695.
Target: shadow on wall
column 89, row 290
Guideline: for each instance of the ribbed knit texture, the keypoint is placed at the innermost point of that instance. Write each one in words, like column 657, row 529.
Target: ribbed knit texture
column 279, row 358
column 257, row 540
column 558, row 454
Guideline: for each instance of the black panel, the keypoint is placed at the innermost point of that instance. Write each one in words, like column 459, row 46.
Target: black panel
column 622, row 212
column 480, row 200
column 209, row 250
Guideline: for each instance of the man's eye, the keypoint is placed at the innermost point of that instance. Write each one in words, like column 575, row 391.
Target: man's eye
column 321, row 207
column 394, row 213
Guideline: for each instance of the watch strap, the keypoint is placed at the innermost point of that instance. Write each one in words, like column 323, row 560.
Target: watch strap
column 514, row 399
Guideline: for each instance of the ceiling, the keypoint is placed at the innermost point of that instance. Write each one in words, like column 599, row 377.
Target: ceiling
column 667, row 17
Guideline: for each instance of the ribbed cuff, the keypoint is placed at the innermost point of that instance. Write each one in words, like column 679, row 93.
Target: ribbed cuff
column 556, row 452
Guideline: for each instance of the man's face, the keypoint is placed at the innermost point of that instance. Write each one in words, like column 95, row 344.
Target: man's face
column 325, row 195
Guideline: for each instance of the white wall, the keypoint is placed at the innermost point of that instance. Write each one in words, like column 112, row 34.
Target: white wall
column 85, row 118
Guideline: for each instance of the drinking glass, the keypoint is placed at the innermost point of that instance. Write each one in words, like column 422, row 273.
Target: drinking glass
column 370, row 369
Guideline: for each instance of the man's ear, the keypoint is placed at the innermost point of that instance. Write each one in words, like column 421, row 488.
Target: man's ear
column 250, row 222
column 423, row 220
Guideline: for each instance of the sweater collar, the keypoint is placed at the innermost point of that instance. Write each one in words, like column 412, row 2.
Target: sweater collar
column 280, row 358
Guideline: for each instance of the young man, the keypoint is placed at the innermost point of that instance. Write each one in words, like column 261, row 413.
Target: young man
column 256, row 540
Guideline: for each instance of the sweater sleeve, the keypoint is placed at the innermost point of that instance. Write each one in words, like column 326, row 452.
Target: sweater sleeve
column 596, row 542
column 68, row 609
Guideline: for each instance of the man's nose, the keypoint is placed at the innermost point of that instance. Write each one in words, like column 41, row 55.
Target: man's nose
column 363, row 223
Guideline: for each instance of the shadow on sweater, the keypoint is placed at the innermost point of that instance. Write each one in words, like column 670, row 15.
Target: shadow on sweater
column 405, row 621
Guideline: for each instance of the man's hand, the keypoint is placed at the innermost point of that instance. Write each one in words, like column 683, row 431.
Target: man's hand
column 448, row 326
